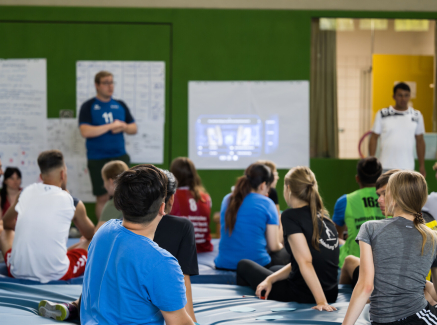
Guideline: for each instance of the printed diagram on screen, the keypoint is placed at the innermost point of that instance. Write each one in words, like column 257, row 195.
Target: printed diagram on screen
column 229, row 137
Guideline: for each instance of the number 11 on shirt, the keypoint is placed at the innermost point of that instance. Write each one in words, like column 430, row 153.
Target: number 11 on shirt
column 108, row 117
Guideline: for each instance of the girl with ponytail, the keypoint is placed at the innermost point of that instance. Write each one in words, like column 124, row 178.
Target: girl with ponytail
column 249, row 222
column 396, row 255
column 192, row 202
column 311, row 239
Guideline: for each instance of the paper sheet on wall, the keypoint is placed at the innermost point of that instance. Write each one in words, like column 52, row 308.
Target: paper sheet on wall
column 141, row 85
column 23, row 103
column 64, row 135
column 24, row 158
column 79, row 182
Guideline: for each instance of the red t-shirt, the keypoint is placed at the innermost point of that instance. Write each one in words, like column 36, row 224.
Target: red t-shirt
column 198, row 213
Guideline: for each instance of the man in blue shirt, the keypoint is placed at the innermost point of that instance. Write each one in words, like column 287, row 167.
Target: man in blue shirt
column 102, row 121
column 128, row 277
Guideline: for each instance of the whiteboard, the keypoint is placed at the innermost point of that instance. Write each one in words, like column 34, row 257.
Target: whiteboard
column 235, row 123
column 64, row 135
column 23, row 107
column 141, row 85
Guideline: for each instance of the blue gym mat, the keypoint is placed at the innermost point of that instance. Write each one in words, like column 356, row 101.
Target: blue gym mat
column 207, row 271
column 212, row 304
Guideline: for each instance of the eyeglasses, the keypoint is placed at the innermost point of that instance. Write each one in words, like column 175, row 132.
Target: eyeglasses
column 108, row 83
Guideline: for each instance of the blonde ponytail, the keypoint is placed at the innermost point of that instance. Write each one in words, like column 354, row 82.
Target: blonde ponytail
column 303, row 185
column 420, row 225
column 408, row 191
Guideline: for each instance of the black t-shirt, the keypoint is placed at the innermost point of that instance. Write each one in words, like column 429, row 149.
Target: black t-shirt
column 75, row 201
column 273, row 195
column 325, row 261
column 176, row 235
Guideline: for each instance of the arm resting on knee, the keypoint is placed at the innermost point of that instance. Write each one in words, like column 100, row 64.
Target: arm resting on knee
column 10, row 217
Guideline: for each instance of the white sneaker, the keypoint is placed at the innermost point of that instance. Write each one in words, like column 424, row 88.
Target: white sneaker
column 50, row 309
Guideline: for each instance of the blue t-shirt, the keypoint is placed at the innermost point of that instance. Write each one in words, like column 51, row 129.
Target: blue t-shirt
column 248, row 239
column 339, row 211
column 95, row 112
column 129, row 279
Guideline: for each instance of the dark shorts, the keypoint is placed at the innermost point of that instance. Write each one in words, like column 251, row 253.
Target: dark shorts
column 355, row 276
column 426, row 316
column 95, row 169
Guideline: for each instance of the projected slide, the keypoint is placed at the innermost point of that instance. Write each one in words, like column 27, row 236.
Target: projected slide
column 230, row 137
column 232, row 124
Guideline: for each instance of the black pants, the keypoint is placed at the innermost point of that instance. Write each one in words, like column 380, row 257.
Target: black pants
column 251, row 274
column 279, row 258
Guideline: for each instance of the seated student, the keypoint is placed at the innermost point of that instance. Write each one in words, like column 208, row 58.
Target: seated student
column 1, row 173
column 249, row 222
column 431, row 203
column 351, row 267
column 352, row 210
column 36, row 249
column 273, row 194
column 311, row 240
column 10, row 189
column 192, row 201
column 396, row 255
column 174, row 234
column 110, row 171
column 129, row 278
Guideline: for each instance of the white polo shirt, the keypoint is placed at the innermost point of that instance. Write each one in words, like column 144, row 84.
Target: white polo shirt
column 397, row 130
column 39, row 250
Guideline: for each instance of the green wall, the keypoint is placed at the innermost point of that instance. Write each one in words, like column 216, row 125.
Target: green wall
column 196, row 45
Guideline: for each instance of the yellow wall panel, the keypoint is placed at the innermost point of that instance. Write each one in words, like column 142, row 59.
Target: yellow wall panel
column 387, row 69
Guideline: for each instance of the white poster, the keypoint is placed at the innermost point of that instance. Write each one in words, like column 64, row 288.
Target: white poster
column 64, row 135
column 234, row 123
column 141, row 85
column 23, row 108
column 25, row 159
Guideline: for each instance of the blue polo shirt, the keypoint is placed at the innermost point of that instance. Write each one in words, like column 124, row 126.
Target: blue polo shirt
column 95, row 112
column 129, row 279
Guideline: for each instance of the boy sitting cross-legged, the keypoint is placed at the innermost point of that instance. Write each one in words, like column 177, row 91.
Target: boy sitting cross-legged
column 129, row 278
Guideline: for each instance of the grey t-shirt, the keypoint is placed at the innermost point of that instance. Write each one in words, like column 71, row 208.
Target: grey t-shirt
column 400, row 269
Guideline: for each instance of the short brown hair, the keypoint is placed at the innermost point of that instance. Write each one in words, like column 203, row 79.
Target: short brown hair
column 49, row 160
column 114, row 168
column 383, row 179
column 100, row 75
column 435, row 167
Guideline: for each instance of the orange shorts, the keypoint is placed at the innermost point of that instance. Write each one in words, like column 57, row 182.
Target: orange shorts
column 77, row 257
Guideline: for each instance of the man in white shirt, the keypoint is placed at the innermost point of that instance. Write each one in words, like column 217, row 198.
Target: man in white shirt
column 36, row 227
column 399, row 127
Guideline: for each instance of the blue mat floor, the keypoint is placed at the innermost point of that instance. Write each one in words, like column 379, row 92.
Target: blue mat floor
column 212, row 303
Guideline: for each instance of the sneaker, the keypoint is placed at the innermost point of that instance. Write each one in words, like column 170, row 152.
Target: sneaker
column 74, row 233
column 50, row 309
